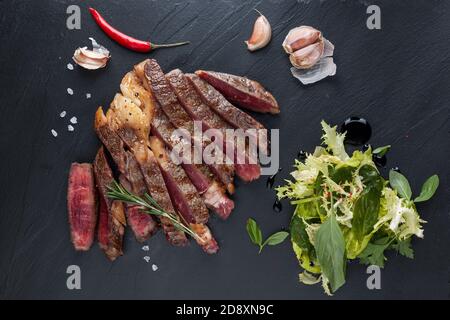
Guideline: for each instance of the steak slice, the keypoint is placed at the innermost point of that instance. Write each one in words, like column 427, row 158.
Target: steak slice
column 246, row 168
column 158, row 191
column 202, row 178
column 112, row 216
column 244, row 92
column 142, row 224
column 234, row 116
column 131, row 122
column 163, row 93
column 182, row 192
column 184, row 197
column 81, row 205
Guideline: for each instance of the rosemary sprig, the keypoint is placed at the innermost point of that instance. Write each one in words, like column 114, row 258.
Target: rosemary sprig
column 150, row 206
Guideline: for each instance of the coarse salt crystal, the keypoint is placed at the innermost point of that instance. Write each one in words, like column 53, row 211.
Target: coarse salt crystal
column 88, row 95
column 70, row 66
column 74, row 120
column 70, row 91
column 54, row 133
column 154, row 267
column 147, row 259
column 146, row 248
column 70, row 128
column 63, row 114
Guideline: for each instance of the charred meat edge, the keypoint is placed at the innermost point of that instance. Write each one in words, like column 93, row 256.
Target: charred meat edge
column 129, row 122
column 199, row 111
column 182, row 191
column 81, row 203
column 244, row 92
column 115, row 146
column 111, row 234
column 234, row 116
column 163, row 93
column 202, row 178
column 184, row 197
column 158, row 191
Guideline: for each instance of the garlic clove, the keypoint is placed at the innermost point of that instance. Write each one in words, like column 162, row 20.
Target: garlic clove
column 308, row 56
column 92, row 59
column 301, row 37
column 262, row 34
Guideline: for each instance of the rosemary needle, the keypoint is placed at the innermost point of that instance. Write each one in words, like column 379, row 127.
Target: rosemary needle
column 118, row 192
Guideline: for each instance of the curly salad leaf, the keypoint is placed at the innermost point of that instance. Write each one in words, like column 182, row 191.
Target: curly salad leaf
column 344, row 209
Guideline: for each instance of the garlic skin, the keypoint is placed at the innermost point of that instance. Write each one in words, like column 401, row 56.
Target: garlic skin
column 262, row 34
column 301, row 37
column 308, row 56
column 92, row 59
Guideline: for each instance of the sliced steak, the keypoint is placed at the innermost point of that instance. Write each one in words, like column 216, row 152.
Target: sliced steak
column 184, row 197
column 112, row 227
column 158, row 191
column 246, row 168
column 142, row 224
column 163, row 93
column 202, row 178
column 182, row 192
column 81, row 205
column 244, row 92
column 234, row 116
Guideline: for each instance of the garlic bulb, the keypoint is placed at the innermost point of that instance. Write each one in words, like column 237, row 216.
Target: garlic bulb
column 262, row 33
column 311, row 55
column 93, row 59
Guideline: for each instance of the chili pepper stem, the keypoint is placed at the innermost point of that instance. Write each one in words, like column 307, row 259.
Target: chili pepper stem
column 156, row 46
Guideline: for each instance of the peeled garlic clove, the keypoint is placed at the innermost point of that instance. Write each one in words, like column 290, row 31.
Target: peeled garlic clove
column 92, row 59
column 301, row 37
column 307, row 57
column 262, row 33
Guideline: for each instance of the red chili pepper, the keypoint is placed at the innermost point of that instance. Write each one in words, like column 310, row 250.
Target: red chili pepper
column 125, row 40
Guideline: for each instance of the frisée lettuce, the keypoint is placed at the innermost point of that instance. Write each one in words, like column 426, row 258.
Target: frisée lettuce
column 344, row 209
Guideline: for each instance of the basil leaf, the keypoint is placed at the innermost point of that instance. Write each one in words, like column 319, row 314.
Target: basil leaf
column 400, row 183
column 299, row 235
column 381, row 151
column 330, row 249
column 365, row 213
column 276, row 238
column 428, row 189
column 371, row 177
column 341, row 175
column 254, row 232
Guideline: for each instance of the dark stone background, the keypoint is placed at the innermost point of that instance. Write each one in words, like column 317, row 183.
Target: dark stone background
column 397, row 78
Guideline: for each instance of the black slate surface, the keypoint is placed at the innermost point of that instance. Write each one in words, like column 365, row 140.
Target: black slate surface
column 396, row 77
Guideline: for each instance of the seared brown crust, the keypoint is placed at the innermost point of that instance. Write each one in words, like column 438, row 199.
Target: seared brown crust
column 157, row 189
column 242, row 91
column 234, row 116
column 199, row 111
column 115, row 227
column 143, row 225
column 183, row 193
column 168, row 102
